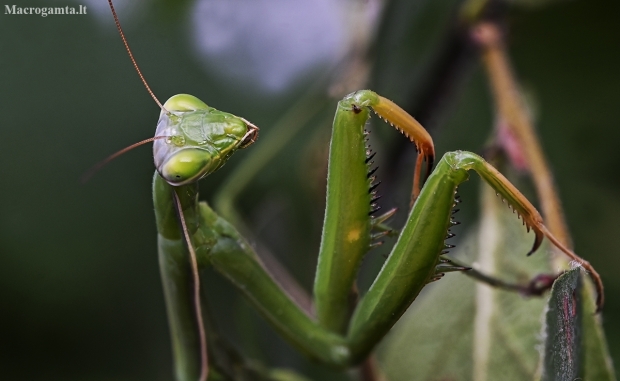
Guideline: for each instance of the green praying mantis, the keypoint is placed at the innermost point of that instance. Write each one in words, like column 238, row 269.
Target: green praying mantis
column 192, row 140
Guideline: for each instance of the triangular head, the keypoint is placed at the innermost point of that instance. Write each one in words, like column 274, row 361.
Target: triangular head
column 200, row 139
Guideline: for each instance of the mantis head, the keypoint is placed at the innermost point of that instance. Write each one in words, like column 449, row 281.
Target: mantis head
column 199, row 139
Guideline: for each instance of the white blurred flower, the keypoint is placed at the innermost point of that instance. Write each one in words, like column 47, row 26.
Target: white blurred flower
column 269, row 43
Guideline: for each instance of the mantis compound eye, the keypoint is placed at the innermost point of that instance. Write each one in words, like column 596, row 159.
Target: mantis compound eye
column 185, row 166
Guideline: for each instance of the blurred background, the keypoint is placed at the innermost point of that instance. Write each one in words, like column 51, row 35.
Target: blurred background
column 80, row 293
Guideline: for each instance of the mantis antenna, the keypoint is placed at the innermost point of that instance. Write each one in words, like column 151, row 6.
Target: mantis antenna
column 101, row 164
column 204, row 365
column 116, row 154
column 135, row 64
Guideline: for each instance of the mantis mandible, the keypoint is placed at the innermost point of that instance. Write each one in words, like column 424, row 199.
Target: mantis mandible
column 193, row 140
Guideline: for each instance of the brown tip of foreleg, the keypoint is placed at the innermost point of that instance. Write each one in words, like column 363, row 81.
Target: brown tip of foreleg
column 415, row 191
column 412, row 129
column 596, row 278
column 533, row 220
column 537, row 241
column 417, row 174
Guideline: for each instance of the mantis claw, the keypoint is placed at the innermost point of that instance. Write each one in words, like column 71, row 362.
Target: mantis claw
column 537, row 241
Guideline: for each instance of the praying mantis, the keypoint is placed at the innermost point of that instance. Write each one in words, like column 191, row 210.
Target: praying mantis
column 192, row 140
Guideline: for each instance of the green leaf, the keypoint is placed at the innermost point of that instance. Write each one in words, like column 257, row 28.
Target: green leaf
column 597, row 363
column 563, row 333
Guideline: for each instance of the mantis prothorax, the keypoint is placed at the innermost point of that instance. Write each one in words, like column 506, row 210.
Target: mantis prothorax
column 193, row 140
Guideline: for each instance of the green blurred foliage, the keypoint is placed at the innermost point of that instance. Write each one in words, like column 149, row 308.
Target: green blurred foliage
column 79, row 284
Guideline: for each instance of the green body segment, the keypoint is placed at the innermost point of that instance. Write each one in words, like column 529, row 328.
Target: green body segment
column 346, row 229
column 176, row 274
